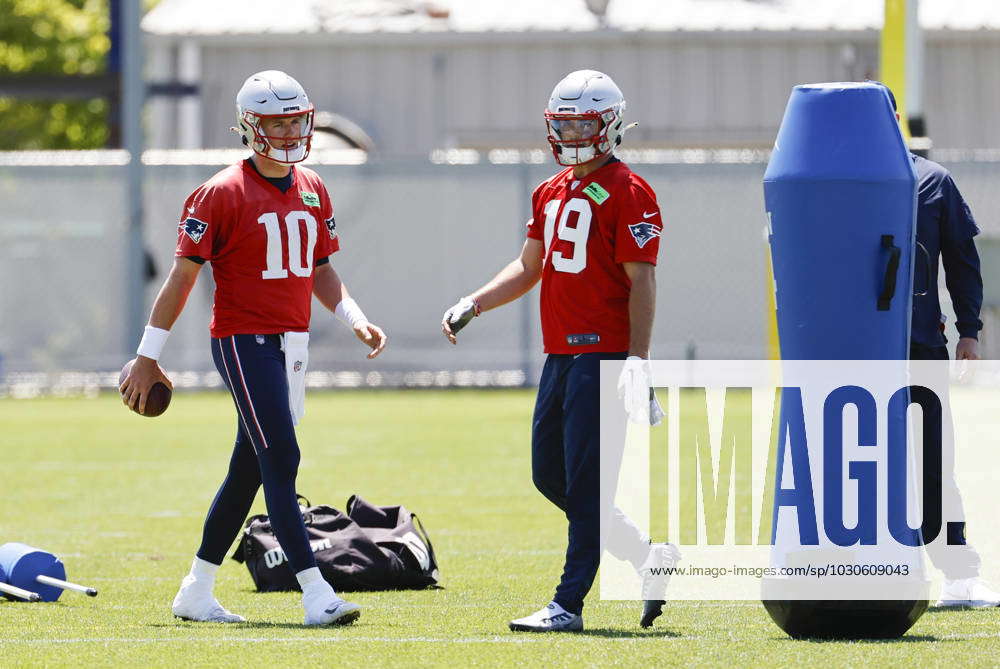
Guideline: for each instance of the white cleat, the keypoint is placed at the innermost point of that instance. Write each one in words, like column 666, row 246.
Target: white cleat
column 553, row 618
column 654, row 575
column 338, row 612
column 968, row 592
column 324, row 607
column 196, row 603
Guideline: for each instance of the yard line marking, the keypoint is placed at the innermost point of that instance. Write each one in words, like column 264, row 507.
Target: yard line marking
column 980, row 635
column 348, row 639
column 132, row 578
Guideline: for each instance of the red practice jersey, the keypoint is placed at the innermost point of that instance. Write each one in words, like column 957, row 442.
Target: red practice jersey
column 590, row 227
column 263, row 245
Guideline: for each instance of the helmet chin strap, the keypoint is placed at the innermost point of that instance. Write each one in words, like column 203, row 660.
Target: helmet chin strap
column 285, row 156
column 580, row 160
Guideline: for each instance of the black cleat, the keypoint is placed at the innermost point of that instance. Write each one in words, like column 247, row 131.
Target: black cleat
column 651, row 610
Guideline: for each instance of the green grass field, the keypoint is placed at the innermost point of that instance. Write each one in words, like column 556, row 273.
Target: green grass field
column 121, row 499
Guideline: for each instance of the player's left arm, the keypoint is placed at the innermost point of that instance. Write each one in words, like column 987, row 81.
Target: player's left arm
column 965, row 285
column 637, row 244
column 641, row 306
column 330, row 290
column 962, row 271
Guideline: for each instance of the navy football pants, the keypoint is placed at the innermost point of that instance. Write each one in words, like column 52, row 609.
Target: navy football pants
column 253, row 368
column 565, row 467
column 958, row 559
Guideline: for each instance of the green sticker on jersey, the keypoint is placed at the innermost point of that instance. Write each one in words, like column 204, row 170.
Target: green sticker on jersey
column 309, row 199
column 596, row 193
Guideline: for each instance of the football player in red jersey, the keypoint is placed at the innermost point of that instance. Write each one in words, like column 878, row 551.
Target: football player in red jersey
column 592, row 242
column 266, row 225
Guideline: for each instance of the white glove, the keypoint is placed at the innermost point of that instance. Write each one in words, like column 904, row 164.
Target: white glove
column 459, row 316
column 634, row 388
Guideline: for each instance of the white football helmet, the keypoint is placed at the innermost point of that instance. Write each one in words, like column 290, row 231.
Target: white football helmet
column 273, row 94
column 585, row 117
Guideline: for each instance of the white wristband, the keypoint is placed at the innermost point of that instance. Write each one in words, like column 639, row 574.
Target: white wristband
column 152, row 342
column 350, row 313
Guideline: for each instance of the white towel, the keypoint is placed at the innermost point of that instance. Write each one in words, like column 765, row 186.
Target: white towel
column 296, row 346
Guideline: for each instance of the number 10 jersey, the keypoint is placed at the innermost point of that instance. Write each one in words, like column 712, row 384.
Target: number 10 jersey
column 589, row 227
column 263, row 245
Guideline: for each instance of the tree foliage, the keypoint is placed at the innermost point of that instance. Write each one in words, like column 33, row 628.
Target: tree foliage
column 53, row 37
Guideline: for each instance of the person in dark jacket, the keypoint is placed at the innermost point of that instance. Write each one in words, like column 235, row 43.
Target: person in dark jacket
column 945, row 237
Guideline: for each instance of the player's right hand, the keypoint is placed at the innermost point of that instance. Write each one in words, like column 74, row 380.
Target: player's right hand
column 144, row 374
column 373, row 336
column 458, row 317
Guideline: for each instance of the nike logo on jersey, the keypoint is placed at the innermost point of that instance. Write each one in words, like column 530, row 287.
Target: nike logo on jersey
column 643, row 233
column 190, row 210
column 193, row 228
column 649, row 215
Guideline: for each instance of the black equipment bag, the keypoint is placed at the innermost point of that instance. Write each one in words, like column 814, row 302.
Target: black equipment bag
column 368, row 548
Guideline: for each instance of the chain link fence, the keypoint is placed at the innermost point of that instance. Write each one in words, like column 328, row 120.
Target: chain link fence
column 415, row 237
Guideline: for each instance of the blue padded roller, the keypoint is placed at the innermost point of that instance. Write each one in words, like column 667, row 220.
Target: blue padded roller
column 23, row 564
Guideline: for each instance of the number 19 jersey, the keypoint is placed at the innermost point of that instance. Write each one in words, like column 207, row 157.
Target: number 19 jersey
column 589, row 227
column 263, row 245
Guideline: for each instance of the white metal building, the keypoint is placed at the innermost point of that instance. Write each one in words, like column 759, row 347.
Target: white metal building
column 476, row 73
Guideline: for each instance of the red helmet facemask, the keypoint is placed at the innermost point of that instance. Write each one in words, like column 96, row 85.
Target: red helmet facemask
column 285, row 149
column 577, row 138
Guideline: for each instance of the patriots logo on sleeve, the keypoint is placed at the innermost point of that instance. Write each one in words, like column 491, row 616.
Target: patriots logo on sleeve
column 193, row 228
column 643, row 232
column 331, row 225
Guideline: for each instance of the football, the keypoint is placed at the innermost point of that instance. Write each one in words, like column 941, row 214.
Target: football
column 159, row 395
